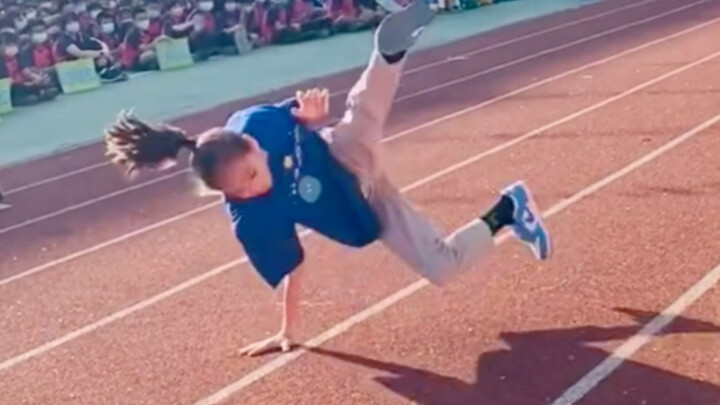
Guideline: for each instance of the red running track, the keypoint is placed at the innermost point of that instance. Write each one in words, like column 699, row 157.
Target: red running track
column 622, row 154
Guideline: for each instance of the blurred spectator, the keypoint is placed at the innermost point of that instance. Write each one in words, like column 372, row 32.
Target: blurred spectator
column 176, row 24
column 304, row 22
column 355, row 15
column 234, row 36
column 16, row 22
column 154, row 10
column 24, row 90
column 138, row 47
column 80, row 9
column 124, row 21
column 73, row 44
column 94, row 9
column 205, row 35
column 106, row 32
column 258, row 21
column 36, row 57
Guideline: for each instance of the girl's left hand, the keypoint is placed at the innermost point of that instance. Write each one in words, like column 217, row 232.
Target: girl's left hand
column 314, row 106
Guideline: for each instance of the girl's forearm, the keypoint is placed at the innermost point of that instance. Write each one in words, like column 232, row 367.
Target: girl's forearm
column 291, row 301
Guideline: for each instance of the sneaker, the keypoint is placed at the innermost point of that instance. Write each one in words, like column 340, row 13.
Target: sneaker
column 399, row 31
column 528, row 225
column 4, row 206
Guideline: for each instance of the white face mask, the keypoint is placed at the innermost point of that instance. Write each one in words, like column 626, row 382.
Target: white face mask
column 31, row 15
column 81, row 8
column 108, row 27
column 206, row 5
column 230, row 6
column 95, row 13
column 177, row 11
column 11, row 51
column 73, row 27
column 39, row 37
column 154, row 13
column 249, row 7
column 21, row 24
column 112, row 5
column 143, row 24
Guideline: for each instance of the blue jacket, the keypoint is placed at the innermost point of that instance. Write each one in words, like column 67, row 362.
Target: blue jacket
column 315, row 191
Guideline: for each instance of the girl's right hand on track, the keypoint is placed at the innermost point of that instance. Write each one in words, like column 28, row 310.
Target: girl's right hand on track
column 281, row 341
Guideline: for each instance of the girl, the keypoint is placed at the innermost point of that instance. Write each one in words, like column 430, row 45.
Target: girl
column 275, row 171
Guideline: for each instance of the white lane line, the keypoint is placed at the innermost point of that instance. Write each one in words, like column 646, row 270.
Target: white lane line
column 407, row 73
column 139, row 231
column 579, row 389
column 427, row 90
column 37, row 351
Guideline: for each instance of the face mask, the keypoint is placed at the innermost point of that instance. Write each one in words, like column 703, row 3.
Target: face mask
column 177, row 11
column 20, row 24
column 48, row 5
column 143, row 24
column 39, row 37
column 154, row 13
column 206, row 6
column 11, row 51
column 230, row 6
column 95, row 13
column 112, row 5
column 108, row 27
column 31, row 15
column 73, row 27
column 81, row 8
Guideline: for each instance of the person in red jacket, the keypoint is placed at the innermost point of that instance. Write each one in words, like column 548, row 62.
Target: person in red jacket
column 304, row 22
column 204, row 38
column 106, row 32
column 73, row 44
column 24, row 90
column 138, row 47
column 154, row 11
column 175, row 22
column 234, row 36
column 258, row 21
column 36, row 58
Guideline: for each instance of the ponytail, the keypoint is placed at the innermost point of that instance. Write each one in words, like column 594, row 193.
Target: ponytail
column 135, row 144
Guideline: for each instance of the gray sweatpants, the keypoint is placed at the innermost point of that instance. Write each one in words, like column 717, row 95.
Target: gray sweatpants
column 355, row 141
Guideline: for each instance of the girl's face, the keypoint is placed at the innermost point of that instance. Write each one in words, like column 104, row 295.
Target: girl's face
column 247, row 176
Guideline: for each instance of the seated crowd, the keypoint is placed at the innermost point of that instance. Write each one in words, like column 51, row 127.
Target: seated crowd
column 121, row 36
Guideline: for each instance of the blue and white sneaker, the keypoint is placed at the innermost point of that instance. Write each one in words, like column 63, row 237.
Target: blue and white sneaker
column 528, row 225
